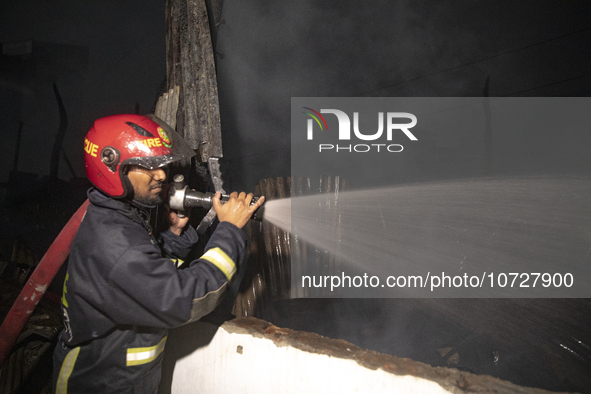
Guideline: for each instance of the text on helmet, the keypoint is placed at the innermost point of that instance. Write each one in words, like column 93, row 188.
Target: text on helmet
column 90, row 148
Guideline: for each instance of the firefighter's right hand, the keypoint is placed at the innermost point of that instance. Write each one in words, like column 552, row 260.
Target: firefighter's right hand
column 175, row 222
column 237, row 210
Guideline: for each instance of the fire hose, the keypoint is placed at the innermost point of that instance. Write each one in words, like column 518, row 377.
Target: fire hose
column 37, row 284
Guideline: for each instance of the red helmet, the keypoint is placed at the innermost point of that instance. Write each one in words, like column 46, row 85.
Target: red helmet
column 120, row 140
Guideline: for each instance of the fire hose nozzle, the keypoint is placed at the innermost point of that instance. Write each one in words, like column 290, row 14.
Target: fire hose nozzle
column 180, row 197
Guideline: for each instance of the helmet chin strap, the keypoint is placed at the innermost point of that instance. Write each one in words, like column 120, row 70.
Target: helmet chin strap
column 142, row 205
column 130, row 196
column 129, row 193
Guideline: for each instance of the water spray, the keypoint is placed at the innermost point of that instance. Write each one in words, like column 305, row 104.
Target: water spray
column 180, row 198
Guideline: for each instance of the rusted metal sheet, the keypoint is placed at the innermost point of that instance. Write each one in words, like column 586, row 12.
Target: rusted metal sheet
column 191, row 67
column 299, row 248
column 268, row 271
column 268, row 278
column 167, row 107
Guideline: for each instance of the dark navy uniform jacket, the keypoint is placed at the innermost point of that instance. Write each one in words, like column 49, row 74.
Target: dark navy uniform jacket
column 123, row 291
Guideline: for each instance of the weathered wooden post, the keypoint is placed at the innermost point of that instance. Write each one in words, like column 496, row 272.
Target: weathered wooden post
column 190, row 67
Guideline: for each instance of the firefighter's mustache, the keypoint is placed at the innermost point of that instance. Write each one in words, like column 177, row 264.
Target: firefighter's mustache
column 157, row 185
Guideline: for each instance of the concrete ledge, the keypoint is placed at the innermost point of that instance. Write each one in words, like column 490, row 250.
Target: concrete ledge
column 248, row 355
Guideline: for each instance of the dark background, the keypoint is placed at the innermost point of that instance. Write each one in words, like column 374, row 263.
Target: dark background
column 108, row 57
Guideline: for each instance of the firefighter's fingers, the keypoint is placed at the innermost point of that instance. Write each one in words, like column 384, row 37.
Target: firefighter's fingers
column 217, row 204
column 177, row 223
column 257, row 204
column 248, row 198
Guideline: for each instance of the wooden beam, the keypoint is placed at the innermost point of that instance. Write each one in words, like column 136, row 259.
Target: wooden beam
column 191, row 67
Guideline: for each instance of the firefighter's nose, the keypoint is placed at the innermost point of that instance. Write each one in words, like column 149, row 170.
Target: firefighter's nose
column 159, row 175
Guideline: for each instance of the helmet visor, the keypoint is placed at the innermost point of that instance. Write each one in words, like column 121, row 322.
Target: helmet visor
column 179, row 149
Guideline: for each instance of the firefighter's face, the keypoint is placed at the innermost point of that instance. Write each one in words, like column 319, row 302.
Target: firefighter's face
column 147, row 184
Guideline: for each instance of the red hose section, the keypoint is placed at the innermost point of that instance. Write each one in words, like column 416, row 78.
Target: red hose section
column 37, row 284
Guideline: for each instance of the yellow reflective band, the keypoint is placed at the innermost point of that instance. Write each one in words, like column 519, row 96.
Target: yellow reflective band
column 65, row 290
column 66, row 370
column 178, row 262
column 220, row 259
column 144, row 355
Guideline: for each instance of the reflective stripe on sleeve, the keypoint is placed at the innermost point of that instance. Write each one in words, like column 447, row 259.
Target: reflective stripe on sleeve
column 177, row 262
column 66, row 370
column 220, row 259
column 144, row 355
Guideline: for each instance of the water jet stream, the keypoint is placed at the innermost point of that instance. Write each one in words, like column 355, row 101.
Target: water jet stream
column 523, row 225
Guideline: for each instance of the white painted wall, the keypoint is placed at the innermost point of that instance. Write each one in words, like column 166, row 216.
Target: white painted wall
column 263, row 368
column 248, row 355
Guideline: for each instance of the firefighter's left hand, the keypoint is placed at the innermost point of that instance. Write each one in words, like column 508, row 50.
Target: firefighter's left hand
column 176, row 223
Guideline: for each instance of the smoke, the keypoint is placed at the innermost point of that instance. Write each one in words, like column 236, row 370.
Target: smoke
column 276, row 50
column 273, row 51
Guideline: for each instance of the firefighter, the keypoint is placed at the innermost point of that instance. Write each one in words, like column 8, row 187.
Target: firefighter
column 122, row 289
